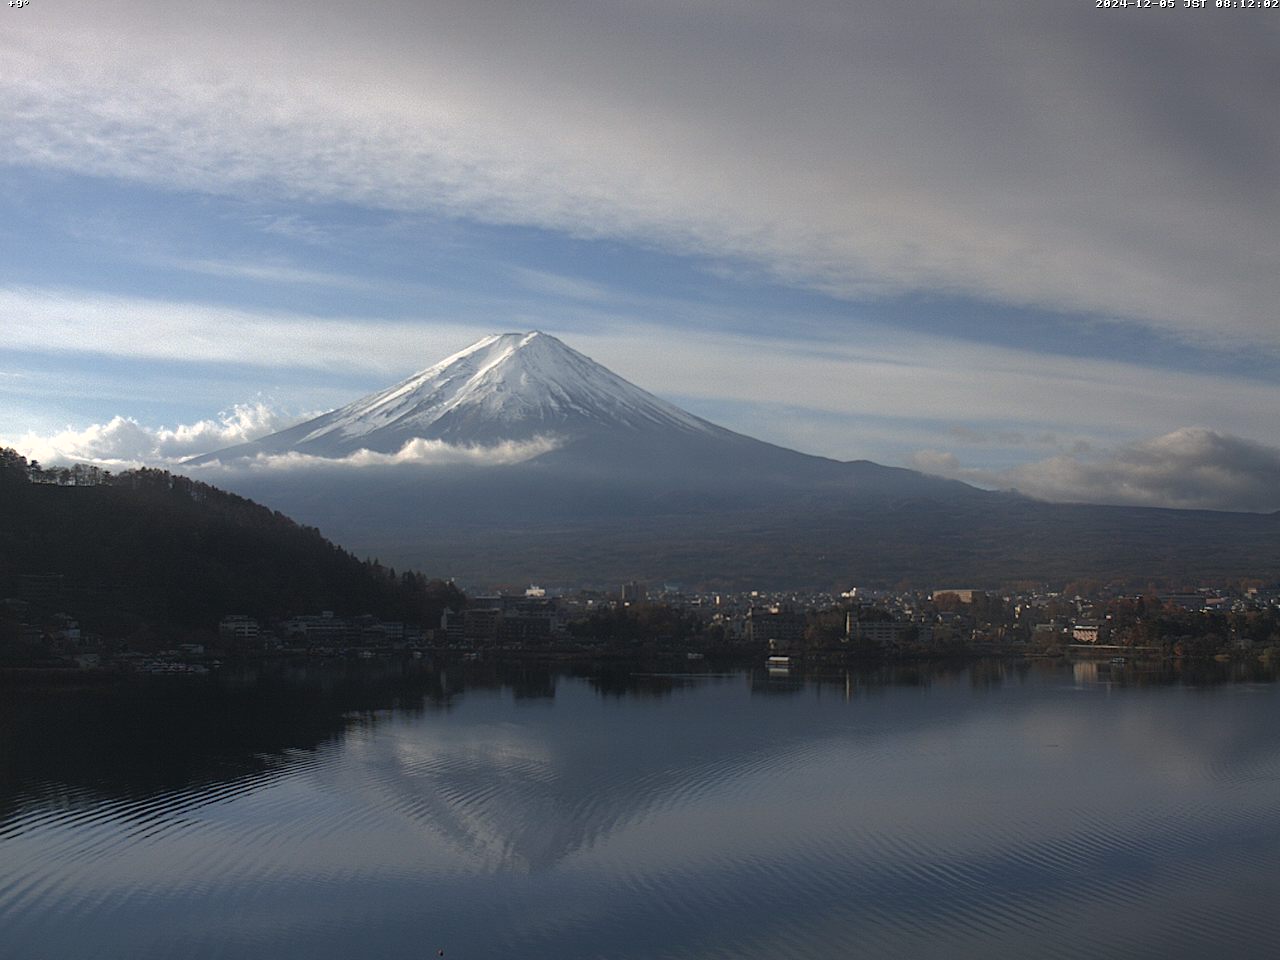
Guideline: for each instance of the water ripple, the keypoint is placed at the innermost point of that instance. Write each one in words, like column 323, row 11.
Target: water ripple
column 828, row 829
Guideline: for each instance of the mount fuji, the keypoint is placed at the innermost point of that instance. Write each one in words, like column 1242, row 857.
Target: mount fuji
column 507, row 387
column 531, row 393
column 520, row 458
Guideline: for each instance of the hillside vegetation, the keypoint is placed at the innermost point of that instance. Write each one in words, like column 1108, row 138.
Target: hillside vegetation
column 146, row 549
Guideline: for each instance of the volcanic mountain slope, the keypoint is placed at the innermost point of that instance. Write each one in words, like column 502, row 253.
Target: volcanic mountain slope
column 599, row 481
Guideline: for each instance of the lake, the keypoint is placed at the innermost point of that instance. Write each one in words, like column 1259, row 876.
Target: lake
column 391, row 810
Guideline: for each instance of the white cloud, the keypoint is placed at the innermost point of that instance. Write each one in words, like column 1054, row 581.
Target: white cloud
column 1032, row 154
column 123, row 442
column 416, row 451
column 1190, row 468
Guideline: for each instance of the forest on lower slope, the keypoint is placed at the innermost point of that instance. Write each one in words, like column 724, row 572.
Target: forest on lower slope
column 147, row 550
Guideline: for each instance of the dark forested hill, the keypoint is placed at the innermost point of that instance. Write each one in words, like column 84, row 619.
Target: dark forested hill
column 146, row 549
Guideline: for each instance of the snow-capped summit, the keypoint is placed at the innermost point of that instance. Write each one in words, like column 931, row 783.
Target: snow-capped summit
column 508, row 387
column 505, row 387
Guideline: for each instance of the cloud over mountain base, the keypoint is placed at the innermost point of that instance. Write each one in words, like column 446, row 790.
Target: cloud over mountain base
column 417, row 451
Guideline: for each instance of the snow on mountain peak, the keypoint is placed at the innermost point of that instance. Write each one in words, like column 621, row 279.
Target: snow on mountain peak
column 506, row 388
column 509, row 386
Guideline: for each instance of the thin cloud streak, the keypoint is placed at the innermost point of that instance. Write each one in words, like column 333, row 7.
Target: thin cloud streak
column 64, row 321
column 557, row 285
column 274, row 273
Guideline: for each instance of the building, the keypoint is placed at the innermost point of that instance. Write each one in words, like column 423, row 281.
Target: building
column 326, row 630
column 239, row 630
column 778, row 626
column 525, row 620
column 887, row 634
column 1086, row 631
column 481, row 618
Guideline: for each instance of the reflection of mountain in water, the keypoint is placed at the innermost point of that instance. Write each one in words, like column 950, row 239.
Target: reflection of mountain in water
column 530, row 793
column 527, row 794
column 386, row 810
column 524, row 772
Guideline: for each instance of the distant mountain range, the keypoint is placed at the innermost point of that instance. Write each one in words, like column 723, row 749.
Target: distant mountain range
column 521, row 458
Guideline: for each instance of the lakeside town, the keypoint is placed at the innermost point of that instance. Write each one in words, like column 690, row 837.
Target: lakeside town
column 1082, row 620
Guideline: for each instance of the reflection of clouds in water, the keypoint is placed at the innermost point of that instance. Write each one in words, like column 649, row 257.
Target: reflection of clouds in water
column 1198, row 740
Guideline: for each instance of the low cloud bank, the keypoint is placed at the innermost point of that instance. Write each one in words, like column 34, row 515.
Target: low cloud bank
column 1190, row 468
column 416, row 451
column 123, row 443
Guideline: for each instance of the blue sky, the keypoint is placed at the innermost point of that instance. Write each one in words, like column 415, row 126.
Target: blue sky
column 1023, row 247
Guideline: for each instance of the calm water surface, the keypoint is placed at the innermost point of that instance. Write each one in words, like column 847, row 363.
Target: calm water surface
column 993, row 811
